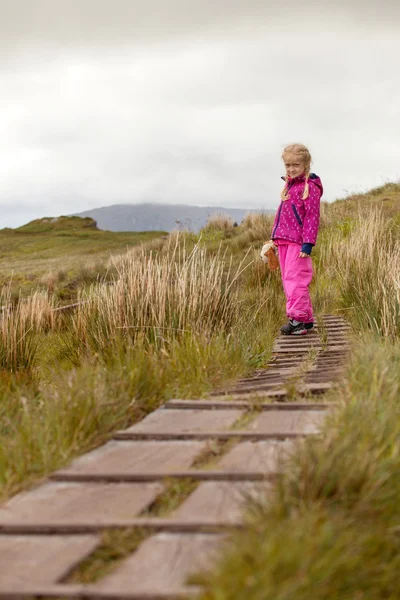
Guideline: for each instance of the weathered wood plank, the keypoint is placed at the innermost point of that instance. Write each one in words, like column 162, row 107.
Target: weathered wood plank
column 135, row 458
column 78, row 504
column 37, row 590
column 278, row 394
column 316, row 388
column 36, row 560
column 287, row 422
column 195, row 474
column 163, row 563
column 152, row 524
column 80, row 592
column 218, row 502
column 258, row 457
column 165, row 421
column 245, row 405
column 339, row 347
column 210, row 435
column 254, row 388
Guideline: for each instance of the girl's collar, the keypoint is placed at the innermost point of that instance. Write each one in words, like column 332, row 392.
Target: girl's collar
column 293, row 179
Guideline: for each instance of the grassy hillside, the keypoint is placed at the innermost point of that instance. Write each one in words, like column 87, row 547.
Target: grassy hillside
column 61, row 253
column 385, row 196
column 196, row 312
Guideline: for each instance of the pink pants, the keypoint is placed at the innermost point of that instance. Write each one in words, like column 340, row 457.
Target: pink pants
column 296, row 277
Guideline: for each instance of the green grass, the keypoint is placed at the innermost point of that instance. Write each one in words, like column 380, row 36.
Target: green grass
column 115, row 545
column 59, row 412
column 176, row 492
column 61, row 254
column 331, row 528
column 71, row 395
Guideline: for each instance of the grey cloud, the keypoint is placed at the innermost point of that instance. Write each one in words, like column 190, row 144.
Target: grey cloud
column 129, row 22
column 201, row 120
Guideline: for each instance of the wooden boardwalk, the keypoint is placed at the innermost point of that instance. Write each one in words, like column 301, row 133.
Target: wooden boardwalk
column 230, row 446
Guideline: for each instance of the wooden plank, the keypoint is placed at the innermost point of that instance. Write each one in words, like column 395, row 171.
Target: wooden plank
column 279, row 361
column 219, row 502
column 287, row 422
column 245, row 405
column 245, row 388
column 165, row 421
column 338, row 348
column 270, row 375
column 260, row 379
column 152, row 524
column 78, row 504
column 132, row 458
column 81, row 592
column 297, row 342
column 278, row 394
column 196, row 475
column 39, row 560
column 316, row 388
column 163, row 563
column 207, row 435
column 257, row 457
column 253, row 389
column 290, row 350
column 37, row 590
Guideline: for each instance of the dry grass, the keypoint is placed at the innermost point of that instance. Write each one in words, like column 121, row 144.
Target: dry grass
column 260, row 224
column 254, row 230
column 159, row 297
column 219, row 222
column 19, row 324
column 366, row 262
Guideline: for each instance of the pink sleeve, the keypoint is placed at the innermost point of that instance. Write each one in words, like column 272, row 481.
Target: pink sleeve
column 311, row 219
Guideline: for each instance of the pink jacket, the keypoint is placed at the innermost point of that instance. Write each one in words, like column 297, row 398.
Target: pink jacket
column 297, row 220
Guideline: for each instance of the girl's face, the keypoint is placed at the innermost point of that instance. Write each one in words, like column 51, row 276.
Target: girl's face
column 293, row 165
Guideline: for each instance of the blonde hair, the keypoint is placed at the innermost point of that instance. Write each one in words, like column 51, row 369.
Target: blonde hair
column 303, row 154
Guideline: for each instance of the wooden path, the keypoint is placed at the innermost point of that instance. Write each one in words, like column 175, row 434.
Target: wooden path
column 229, row 447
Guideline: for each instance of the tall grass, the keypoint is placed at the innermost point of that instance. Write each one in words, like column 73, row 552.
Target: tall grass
column 254, row 230
column 19, row 324
column 219, row 222
column 365, row 260
column 157, row 297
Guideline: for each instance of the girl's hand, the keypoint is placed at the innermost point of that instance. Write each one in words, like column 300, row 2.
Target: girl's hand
column 303, row 255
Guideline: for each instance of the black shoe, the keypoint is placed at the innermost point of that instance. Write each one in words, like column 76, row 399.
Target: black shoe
column 295, row 328
column 309, row 326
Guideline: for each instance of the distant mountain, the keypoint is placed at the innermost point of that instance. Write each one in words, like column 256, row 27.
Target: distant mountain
column 158, row 217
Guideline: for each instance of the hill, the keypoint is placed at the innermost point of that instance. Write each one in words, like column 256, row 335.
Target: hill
column 60, row 253
column 156, row 217
column 54, row 224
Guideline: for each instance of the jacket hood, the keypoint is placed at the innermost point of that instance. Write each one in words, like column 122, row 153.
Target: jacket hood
column 301, row 178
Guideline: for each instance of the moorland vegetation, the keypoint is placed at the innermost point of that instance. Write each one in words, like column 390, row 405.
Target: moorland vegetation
column 179, row 316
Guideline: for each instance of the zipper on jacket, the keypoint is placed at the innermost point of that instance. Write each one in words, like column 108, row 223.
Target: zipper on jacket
column 296, row 214
column 277, row 221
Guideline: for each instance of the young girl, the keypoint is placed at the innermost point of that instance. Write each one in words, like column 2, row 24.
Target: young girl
column 295, row 232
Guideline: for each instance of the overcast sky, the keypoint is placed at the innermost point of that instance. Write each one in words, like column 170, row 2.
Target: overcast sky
column 192, row 101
